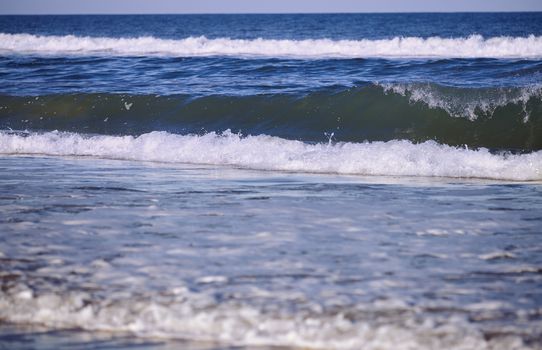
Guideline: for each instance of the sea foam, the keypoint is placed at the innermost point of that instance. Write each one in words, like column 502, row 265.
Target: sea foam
column 262, row 152
column 473, row 46
column 181, row 314
column 466, row 103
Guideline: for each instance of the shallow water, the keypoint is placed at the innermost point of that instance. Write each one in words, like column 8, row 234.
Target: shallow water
column 267, row 258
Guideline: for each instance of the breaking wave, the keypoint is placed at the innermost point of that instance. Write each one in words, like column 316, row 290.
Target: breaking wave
column 495, row 118
column 474, row 46
column 394, row 158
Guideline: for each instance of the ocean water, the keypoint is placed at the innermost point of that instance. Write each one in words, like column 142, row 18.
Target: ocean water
column 334, row 181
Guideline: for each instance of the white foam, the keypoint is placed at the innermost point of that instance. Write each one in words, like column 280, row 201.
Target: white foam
column 396, row 158
column 469, row 103
column 181, row 314
column 469, row 47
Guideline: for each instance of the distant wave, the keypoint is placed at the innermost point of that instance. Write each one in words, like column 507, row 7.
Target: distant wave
column 395, row 158
column 474, row 46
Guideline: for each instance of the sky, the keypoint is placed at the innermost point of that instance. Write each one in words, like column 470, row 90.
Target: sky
column 259, row 6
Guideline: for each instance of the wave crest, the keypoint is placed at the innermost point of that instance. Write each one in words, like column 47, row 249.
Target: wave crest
column 474, row 46
column 394, row 158
column 495, row 118
column 467, row 103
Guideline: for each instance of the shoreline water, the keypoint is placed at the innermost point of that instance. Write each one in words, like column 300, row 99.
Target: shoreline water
column 193, row 227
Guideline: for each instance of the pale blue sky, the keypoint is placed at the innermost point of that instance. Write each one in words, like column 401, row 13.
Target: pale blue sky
column 255, row 6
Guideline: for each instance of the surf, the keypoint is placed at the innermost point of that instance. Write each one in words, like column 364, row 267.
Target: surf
column 495, row 118
column 473, row 46
column 263, row 152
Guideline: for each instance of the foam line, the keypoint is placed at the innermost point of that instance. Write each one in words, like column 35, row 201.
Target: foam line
column 474, row 46
column 395, row 158
column 178, row 314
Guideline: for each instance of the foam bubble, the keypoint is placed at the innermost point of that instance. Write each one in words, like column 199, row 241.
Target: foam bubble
column 181, row 314
column 469, row 47
column 395, row 158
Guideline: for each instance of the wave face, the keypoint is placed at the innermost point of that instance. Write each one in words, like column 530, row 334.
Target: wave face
column 474, row 46
column 496, row 118
column 395, row 158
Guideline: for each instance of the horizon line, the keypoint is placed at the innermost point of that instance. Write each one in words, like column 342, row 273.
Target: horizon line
column 259, row 13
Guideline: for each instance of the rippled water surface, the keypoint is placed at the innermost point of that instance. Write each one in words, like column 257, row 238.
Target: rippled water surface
column 239, row 256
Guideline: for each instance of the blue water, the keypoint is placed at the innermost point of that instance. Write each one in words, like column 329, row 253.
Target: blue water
column 31, row 75
column 281, row 26
column 333, row 181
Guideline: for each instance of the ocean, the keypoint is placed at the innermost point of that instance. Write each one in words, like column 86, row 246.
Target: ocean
column 296, row 181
